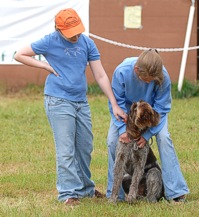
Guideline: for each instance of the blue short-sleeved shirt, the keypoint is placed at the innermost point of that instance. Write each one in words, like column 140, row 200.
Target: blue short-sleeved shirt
column 69, row 60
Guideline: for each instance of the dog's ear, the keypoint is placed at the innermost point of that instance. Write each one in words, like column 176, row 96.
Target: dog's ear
column 131, row 129
column 155, row 118
column 133, row 108
column 131, row 115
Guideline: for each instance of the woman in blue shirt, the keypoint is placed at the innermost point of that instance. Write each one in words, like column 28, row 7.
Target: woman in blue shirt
column 145, row 78
column 67, row 52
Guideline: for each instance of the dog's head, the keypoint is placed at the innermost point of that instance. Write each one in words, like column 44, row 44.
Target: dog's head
column 140, row 118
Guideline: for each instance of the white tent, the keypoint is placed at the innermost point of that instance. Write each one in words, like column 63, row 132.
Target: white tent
column 24, row 21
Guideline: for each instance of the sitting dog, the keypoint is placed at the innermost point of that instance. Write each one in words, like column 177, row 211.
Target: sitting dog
column 137, row 168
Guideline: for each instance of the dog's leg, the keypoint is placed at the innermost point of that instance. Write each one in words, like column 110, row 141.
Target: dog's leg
column 119, row 170
column 139, row 163
column 154, row 185
column 138, row 173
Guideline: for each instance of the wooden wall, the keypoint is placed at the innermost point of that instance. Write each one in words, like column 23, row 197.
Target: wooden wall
column 164, row 26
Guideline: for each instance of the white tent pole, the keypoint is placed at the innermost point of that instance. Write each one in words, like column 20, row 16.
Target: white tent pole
column 186, row 46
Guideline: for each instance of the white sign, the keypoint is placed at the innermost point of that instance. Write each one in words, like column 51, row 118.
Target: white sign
column 25, row 21
column 132, row 17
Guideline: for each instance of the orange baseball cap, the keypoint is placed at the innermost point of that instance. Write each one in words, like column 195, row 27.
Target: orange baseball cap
column 69, row 23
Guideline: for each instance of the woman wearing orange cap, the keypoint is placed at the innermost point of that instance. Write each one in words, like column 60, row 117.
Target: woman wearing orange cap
column 67, row 52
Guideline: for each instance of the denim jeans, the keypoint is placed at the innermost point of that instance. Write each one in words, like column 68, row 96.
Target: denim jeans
column 72, row 130
column 174, row 182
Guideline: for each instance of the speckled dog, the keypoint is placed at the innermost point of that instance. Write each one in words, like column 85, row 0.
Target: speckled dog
column 137, row 168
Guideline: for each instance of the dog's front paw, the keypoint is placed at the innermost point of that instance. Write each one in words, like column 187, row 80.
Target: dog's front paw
column 112, row 200
column 151, row 199
column 131, row 199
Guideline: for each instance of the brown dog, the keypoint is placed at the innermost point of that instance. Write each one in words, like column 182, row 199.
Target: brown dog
column 137, row 168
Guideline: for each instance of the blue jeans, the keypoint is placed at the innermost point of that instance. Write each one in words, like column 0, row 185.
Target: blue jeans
column 72, row 130
column 174, row 182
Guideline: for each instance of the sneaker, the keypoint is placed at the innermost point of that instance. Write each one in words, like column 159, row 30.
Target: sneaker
column 179, row 200
column 99, row 194
column 72, row 202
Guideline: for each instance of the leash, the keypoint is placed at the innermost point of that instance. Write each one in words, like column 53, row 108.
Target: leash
column 150, row 144
column 134, row 144
column 136, row 147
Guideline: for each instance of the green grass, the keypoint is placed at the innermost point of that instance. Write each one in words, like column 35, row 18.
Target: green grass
column 27, row 161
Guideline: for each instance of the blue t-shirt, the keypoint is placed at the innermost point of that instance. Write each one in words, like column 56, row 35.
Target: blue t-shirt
column 69, row 60
column 128, row 88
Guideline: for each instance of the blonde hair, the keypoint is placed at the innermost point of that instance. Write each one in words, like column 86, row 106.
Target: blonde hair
column 149, row 63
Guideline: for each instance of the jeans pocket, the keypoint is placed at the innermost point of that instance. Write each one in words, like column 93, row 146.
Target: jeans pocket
column 54, row 101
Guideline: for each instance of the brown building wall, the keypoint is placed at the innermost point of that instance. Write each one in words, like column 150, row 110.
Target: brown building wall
column 164, row 26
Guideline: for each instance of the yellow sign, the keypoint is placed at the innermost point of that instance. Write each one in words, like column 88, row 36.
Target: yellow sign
column 132, row 17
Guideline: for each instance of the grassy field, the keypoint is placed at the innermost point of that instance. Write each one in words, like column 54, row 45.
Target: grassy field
column 27, row 161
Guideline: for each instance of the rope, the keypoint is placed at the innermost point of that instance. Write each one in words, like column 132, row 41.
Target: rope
column 141, row 48
column 135, row 146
